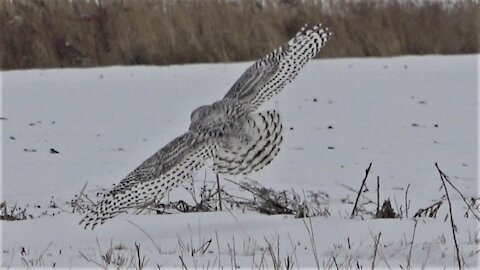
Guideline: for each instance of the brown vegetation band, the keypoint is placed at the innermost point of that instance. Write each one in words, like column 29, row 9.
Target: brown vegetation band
column 61, row 33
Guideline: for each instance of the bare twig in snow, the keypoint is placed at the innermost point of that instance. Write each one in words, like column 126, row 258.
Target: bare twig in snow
column 294, row 248
column 311, row 235
column 411, row 246
column 430, row 211
column 446, row 178
column 378, row 195
column 183, row 263
column 407, row 203
column 141, row 262
column 219, row 193
column 148, row 235
column 367, row 171
column 218, row 247
column 377, row 240
column 454, row 228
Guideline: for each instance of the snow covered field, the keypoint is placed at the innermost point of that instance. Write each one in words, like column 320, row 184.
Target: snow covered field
column 402, row 114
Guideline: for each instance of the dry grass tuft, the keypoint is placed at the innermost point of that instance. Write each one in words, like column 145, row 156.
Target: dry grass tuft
column 14, row 213
column 57, row 33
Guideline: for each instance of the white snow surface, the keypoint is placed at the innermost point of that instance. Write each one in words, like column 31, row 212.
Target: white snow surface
column 403, row 114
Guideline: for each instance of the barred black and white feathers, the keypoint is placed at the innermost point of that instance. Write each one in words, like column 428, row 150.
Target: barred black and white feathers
column 271, row 73
column 256, row 146
column 157, row 175
column 229, row 132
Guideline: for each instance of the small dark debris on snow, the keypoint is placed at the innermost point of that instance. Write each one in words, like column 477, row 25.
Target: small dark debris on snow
column 422, row 102
column 53, row 151
column 436, row 125
column 314, row 99
column 435, row 141
column 464, row 164
column 120, row 149
column 291, row 128
column 12, row 138
column 331, row 147
column 98, row 135
column 415, row 125
column 330, row 127
column 3, row 118
column 34, row 123
column 53, row 122
column 101, row 76
column 386, row 211
column 405, row 66
column 29, row 150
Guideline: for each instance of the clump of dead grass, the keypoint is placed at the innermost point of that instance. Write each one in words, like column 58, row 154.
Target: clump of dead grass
column 13, row 213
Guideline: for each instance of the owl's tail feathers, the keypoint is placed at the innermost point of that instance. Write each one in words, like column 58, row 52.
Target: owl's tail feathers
column 261, row 143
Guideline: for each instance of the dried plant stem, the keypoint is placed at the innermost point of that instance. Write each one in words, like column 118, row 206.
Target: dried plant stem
column 148, row 235
column 335, row 262
column 378, row 195
column 183, row 263
column 411, row 246
column 141, row 260
column 311, row 235
column 367, row 171
column 218, row 247
column 445, row 177
column 406, row 202
column 294, row 249
column 452, row 224
column 377, row 241
column 219, row 193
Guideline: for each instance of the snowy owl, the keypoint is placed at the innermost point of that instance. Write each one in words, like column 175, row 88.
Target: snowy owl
column 229, row 132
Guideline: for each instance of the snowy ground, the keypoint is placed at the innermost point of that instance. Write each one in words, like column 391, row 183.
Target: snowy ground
column 402, row 114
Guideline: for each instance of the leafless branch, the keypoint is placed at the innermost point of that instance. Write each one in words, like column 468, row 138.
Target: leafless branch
column 454, row 228
column 407, row 204
column 411, row 246
column 377, row 241
column 354, row 210
column 446, row 178
column 378, row 195
column 219, row 193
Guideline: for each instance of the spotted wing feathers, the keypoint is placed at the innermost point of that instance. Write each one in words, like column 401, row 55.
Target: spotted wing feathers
column 157, row 175
column 271, row 73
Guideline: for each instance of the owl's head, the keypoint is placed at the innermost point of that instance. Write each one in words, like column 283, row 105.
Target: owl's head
column 199, row 113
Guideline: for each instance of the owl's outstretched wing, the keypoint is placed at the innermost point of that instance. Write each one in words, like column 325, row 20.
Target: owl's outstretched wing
column 163, row 171
column 271, row 73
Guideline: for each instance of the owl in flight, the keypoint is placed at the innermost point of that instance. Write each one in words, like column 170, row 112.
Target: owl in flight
column 229, row 132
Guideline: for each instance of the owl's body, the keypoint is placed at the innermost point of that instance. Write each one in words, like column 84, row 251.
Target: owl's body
column 230, row 132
